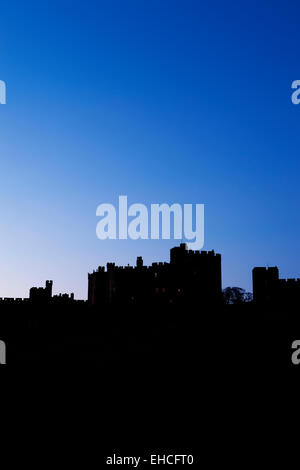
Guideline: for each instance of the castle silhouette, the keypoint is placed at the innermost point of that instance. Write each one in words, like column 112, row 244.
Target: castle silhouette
column 268, row 288
column 144, row 317
column 190, row 277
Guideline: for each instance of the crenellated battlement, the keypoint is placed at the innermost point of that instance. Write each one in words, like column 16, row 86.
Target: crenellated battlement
column 290, row 282
column 189, row 274
column 269, row 288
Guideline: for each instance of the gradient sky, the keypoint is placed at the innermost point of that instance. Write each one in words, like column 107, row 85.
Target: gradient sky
column 163, row 101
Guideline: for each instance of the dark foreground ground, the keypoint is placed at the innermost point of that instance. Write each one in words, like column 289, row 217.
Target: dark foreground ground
column 216, row 383
column 232, row 338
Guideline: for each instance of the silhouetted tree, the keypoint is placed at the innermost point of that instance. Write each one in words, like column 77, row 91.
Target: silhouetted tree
column 236, row 295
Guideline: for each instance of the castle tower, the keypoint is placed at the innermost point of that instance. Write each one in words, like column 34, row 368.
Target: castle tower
column 264, row 282
column 48, row 289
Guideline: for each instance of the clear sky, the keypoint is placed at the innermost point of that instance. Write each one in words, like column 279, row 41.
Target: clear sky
column 163, row 101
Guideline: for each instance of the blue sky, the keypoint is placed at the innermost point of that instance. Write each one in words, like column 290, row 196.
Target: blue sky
column 163, row 101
